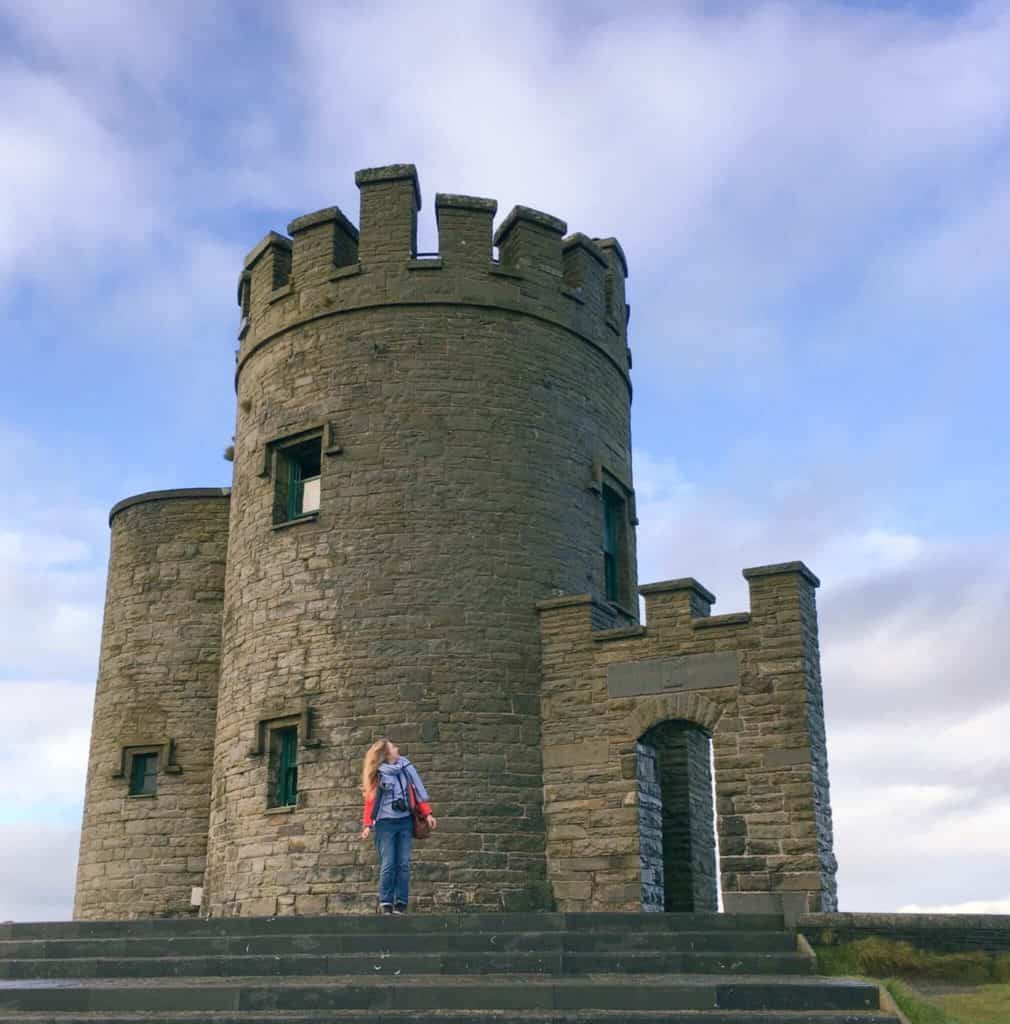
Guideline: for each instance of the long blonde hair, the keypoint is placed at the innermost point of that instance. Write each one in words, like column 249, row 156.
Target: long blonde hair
column 374, row 756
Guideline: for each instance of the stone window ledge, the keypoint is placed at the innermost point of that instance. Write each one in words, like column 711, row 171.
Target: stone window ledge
column 311, row 518
column 286, row 809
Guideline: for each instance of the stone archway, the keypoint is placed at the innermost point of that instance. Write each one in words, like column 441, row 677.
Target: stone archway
column 677, row 842
column 687, row 707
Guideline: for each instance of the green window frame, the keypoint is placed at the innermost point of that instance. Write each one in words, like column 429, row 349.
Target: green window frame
column 298, row 480
column 613, row 514
column 144, row 774
column 284, row 767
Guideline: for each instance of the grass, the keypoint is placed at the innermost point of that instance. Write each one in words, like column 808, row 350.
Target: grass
column 987, row 1004
column 917, row 1009
column 884, row 958
column 895, row 964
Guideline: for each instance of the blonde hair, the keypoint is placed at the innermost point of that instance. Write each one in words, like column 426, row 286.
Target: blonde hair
column 374, row 756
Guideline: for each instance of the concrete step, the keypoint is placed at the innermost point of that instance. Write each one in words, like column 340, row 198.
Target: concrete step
column 364, row 923
column 515, row 992
column 468, row 1017
column 402, row 964
column 391, row 939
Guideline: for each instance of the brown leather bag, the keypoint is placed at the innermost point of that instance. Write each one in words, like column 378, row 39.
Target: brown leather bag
column 421, row 827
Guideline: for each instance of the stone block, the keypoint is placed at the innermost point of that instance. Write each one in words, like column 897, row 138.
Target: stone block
column 668, row 675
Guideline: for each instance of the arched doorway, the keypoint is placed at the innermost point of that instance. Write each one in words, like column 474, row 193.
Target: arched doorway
column 676, row 818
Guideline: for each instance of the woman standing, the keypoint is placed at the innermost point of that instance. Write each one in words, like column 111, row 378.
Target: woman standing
column 390, row 784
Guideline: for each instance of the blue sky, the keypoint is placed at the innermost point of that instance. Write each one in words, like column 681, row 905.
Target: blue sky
column 815, row 201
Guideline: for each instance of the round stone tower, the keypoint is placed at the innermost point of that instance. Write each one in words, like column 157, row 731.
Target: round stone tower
column 425, row 447
column 144, row 834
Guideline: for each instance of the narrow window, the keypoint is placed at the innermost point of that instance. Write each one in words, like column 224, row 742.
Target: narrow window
column 283, row 767
column 143, row 775
column 613, row 530
column 298, row 480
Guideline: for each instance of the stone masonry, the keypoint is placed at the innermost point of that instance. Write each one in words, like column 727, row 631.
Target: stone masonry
column 157, row 691
column 469, row 421
column 751, row 680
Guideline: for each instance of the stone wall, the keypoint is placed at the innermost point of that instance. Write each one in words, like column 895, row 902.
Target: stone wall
column 470, row 412
column 938, row 933
column 750, row 680
column 650, row 829
column 157, row 689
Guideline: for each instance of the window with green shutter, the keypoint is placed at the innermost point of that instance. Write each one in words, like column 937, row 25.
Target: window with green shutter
column 143, row 774
column 283, row 767
column 297, row 480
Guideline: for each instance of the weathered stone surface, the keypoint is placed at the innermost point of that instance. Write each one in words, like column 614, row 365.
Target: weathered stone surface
column 449, row 592
column 157, row 681
column 663, row 675
column 407, row 607
column 767, row 729
column 587, row 752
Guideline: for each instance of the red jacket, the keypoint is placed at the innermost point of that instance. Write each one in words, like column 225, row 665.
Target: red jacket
column 366, row 814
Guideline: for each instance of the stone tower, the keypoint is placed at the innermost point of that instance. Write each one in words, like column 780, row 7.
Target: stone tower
column 430, row 535
column 452, row 409
column 141, row 853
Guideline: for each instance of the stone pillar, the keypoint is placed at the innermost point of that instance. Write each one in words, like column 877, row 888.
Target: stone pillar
column 650, row 828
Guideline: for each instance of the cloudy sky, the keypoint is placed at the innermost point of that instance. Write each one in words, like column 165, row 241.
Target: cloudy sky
column 815, row 202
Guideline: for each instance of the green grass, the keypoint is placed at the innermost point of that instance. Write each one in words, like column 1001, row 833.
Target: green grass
column 885, row 958
column 987, row 1004
column 918, row 1010
column 896, row 964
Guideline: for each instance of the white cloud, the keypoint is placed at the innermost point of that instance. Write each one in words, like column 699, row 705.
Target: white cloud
column 914, row 659
column 60, row 223
column 53, row 545
column 50, row 606
column 38, row 866
column 968, row 907
column 107, row 37
column 49, row 728
column 741, row 157
column 52, row 583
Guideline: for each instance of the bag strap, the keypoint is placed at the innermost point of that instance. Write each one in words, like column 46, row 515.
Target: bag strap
column 412, row 798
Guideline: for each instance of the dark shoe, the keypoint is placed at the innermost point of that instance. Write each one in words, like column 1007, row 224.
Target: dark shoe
column 400, row 908
column 385, row 908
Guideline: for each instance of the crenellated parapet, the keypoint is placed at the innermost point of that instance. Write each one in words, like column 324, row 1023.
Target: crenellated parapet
column 327, row 267
column 748, row 680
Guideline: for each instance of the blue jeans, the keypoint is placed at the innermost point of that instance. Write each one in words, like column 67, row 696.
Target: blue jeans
column 394, row 839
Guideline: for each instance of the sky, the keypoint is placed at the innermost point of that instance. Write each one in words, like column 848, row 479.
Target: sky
column 814, row 198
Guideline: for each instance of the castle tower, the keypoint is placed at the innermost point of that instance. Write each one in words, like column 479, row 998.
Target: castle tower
column 431, row 536
column 425, row 448
column 144, row 836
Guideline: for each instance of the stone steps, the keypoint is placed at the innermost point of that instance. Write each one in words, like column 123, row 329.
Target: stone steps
column 512, row 992
column 356, row 924
column 395, row 941
column 385, row 963
column 430, row 969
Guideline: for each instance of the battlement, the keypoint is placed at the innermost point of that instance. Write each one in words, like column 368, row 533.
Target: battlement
column 684, row 604
column 326, row 266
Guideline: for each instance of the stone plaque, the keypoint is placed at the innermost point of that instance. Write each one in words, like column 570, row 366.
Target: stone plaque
column 669, row 675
